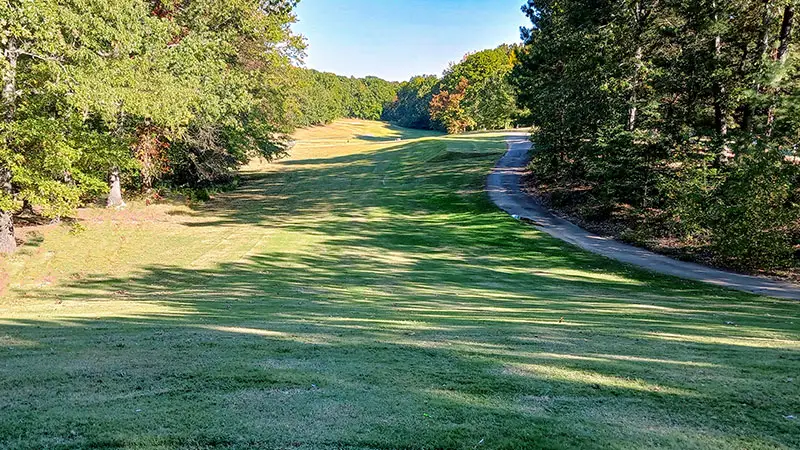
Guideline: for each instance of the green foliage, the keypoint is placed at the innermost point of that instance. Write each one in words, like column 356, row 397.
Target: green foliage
column 746, row 212
column 683, row 108
column 480, row 66
column 753, row 210
column 318, row 98
column 486, row 101
column 187, row 90
column 492, row 103
column 55, row 163
column 411, row 107
column 489, row 97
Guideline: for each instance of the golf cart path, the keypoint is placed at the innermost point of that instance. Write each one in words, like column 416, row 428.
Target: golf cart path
column 505, row 189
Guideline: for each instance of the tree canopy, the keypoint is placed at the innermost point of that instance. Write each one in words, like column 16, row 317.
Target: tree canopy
column 95, row 92
column 474, row 93
column 685, row 111
column 317, row 97
column 411, row 106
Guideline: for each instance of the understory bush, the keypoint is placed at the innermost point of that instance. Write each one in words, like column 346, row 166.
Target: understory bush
column 680, row 120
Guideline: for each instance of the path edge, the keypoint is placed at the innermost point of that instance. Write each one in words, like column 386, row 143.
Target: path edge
column 504, row 188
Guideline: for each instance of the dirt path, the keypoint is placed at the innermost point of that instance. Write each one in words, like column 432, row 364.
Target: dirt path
column 504, row 186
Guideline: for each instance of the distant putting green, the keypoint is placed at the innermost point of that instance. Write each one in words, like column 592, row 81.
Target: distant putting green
column 364, row 294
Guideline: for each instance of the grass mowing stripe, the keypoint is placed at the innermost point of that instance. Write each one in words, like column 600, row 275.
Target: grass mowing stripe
column 364, row 293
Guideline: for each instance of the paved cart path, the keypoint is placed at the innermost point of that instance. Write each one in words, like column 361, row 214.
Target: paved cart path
column 505, row 189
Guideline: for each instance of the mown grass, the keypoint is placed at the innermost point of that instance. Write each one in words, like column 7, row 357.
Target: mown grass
column 364, row 294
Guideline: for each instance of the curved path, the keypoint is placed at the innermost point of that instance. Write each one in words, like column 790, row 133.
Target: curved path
column 504, row 186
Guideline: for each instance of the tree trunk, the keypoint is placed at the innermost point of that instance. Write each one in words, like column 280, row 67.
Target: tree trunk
column 786, row 34
column 7, row 241
column 720, row 107
column 748, row 110
column 114, row 185
column 720, row 112
column 115, row 191
column 639, row 18
column 634, row 109
column 632, row 114
column 721, row 118
column 766, row 24
column 780, row 55
column 747, row 117
column 11, row 54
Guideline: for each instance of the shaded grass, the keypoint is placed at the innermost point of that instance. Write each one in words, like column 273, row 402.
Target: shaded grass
column 367, row 295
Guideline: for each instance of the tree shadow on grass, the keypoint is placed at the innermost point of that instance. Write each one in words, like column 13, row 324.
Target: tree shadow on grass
column 416, row 317
column 371, row 138
column 384, row 344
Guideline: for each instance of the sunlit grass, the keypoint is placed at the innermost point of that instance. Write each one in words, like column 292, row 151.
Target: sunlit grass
column 363, row 293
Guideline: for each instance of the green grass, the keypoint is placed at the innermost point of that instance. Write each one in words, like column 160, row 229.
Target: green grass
column 365, row 294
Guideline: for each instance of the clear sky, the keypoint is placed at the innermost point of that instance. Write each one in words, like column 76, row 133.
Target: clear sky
column 396, row 39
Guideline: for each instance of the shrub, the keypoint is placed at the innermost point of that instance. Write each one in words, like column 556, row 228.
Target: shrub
column 753, row 211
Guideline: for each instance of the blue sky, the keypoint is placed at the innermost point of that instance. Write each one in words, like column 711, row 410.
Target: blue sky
column 395, row 39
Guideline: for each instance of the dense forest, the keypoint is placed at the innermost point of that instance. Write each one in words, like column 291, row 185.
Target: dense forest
column 473, row 94
column 104, row 95
column 101, row 97
column 96, row 91
column 677, row 118
column 318, row 98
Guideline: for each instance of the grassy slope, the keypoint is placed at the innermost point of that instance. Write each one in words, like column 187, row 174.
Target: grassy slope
column 364, row 294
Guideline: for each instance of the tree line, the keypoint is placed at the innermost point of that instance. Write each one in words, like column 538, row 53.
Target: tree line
column 680, row 113
column 101, row 95
column 318, row 97
column 473, row 94
column 684, row 113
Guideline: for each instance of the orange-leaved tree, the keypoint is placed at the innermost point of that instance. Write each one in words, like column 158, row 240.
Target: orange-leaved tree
column 447, row 109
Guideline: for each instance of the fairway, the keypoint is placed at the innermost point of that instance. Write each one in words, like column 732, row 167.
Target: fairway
column 364, row 293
